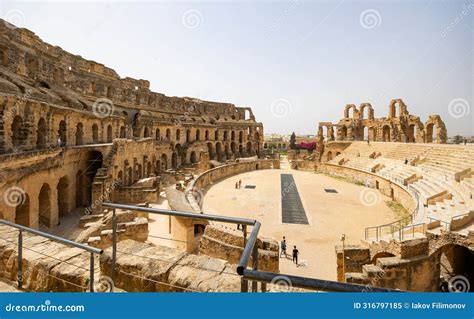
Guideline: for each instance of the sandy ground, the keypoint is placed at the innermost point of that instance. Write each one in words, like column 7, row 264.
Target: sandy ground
column 329, row 215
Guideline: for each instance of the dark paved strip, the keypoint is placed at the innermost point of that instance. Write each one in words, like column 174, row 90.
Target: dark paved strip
column 291, row 205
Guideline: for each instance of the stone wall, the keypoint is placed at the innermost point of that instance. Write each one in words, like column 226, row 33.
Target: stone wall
column 224, row 243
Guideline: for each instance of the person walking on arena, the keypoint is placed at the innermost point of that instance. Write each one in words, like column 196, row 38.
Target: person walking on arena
column 295, row 255
column 283, row 247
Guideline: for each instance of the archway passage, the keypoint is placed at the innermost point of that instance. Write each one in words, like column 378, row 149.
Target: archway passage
column 193, row 158
column 456, row 261
column 62, row 132
column 41, row 133
column 174, row 160
column 17, row 131
column 44, row 206
column 430, row 133
column 22, row 211
column 63, row 195
column 386, row 133
column 91, row 162
column 109, row 134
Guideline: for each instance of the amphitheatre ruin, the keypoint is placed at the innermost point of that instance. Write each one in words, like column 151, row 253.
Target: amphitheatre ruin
column 108, row 186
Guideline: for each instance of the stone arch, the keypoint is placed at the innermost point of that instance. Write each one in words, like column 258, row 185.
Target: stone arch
column 178, row 135
column 455, row 260
column 62, row 132
column 120, row 178
column 44, row 206
column 435, row 130
column 241, row 150
column 109, row 134
column 347, row 110
column 157, row 134
column 249, row 148
column 63, row 196
column 18, row 131
column 216, row 135
column 207, row 135
column 193, row 158
column 168, row 134
column 146, row 132
column 370, row 111
column 41, row 133
column 164, row 162
column 130, row 176
column 148, row 169
column 225, row 135
column 329, row 156
column 123, row 132
column 241, row 137
column 344, row 133
column 174, row 160
column 381, row 254
column 188, row 135
column 198, row 135
column 219, row 151
column 79, row 134
column 22, row 211
column 372, row 133
column 232, row 136
column 386, row 133
column 95, row 133
column 211, row 151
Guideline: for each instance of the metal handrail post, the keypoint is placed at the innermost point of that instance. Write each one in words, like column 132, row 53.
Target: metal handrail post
column 91, row 270
column 20, row 259
column 255, row 267
column 244, row 284
column 114, row 245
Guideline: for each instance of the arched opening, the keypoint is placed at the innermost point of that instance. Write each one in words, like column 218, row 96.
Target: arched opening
column 216, row 135
column 79, row 189
column 329, row 156
column 123, row 133
column 79, row 134
column 226, row 151
column 198, row 135
column 455, row 260
column 188, row 136
column 22, row 211
column 344, row 133
column 193, row 157
column 120, row 180
column 412, row 133
column 109, row 134
column 157, row 134
column 95, row 133
column 382, row 254
column 62, row 132
column 386, row 133
column 41, row 133
column 44, row 206
column 372, row 134
column 158, row 167
column 138, row 172
column 168, row 134
column 17, row 131
column 430, row 133
column 232, row 136
column 233, row 148
column 130, row 176
column 210, row 150
column 219, row 151
column 148, row 169
column 225, row 135
column 63, row 195
column 241, row 150
column 249, row 148
column 178, row 135
column 164, row 162
column 146, row 132
column 241, row 137
column 174, row 160
column 365, row 133
column 207, row 135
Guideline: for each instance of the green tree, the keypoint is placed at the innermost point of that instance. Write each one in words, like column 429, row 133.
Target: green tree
column 293, row 141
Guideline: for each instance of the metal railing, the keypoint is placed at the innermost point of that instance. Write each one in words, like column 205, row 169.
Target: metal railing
column 91, row 250
column 447, row 225
column 250, row 249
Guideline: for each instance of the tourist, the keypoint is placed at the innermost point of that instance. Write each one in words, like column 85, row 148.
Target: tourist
column 283, row 247
column 236, row 185
column 240, row 183
column 59, row 141
column 406, row 161
column 368, row 142
column 295, row 255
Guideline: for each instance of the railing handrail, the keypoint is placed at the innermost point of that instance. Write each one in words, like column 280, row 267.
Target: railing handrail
column 53, row 237
column 160, row 211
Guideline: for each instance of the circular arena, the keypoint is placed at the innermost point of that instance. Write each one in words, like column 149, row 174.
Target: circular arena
column 108, row 186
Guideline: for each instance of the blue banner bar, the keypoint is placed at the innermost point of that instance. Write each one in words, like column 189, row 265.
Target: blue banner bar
column 233, row 305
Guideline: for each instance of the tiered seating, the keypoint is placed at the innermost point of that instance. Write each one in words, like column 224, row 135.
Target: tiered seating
column 435, row 178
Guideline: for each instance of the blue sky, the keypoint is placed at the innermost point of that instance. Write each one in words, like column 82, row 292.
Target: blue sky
column 294, row 62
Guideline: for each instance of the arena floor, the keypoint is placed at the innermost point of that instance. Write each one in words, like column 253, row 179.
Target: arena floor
column 330, row 215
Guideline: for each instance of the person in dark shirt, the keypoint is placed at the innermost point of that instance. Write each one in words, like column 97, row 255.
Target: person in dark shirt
column 295, row 255
column 406, row 161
